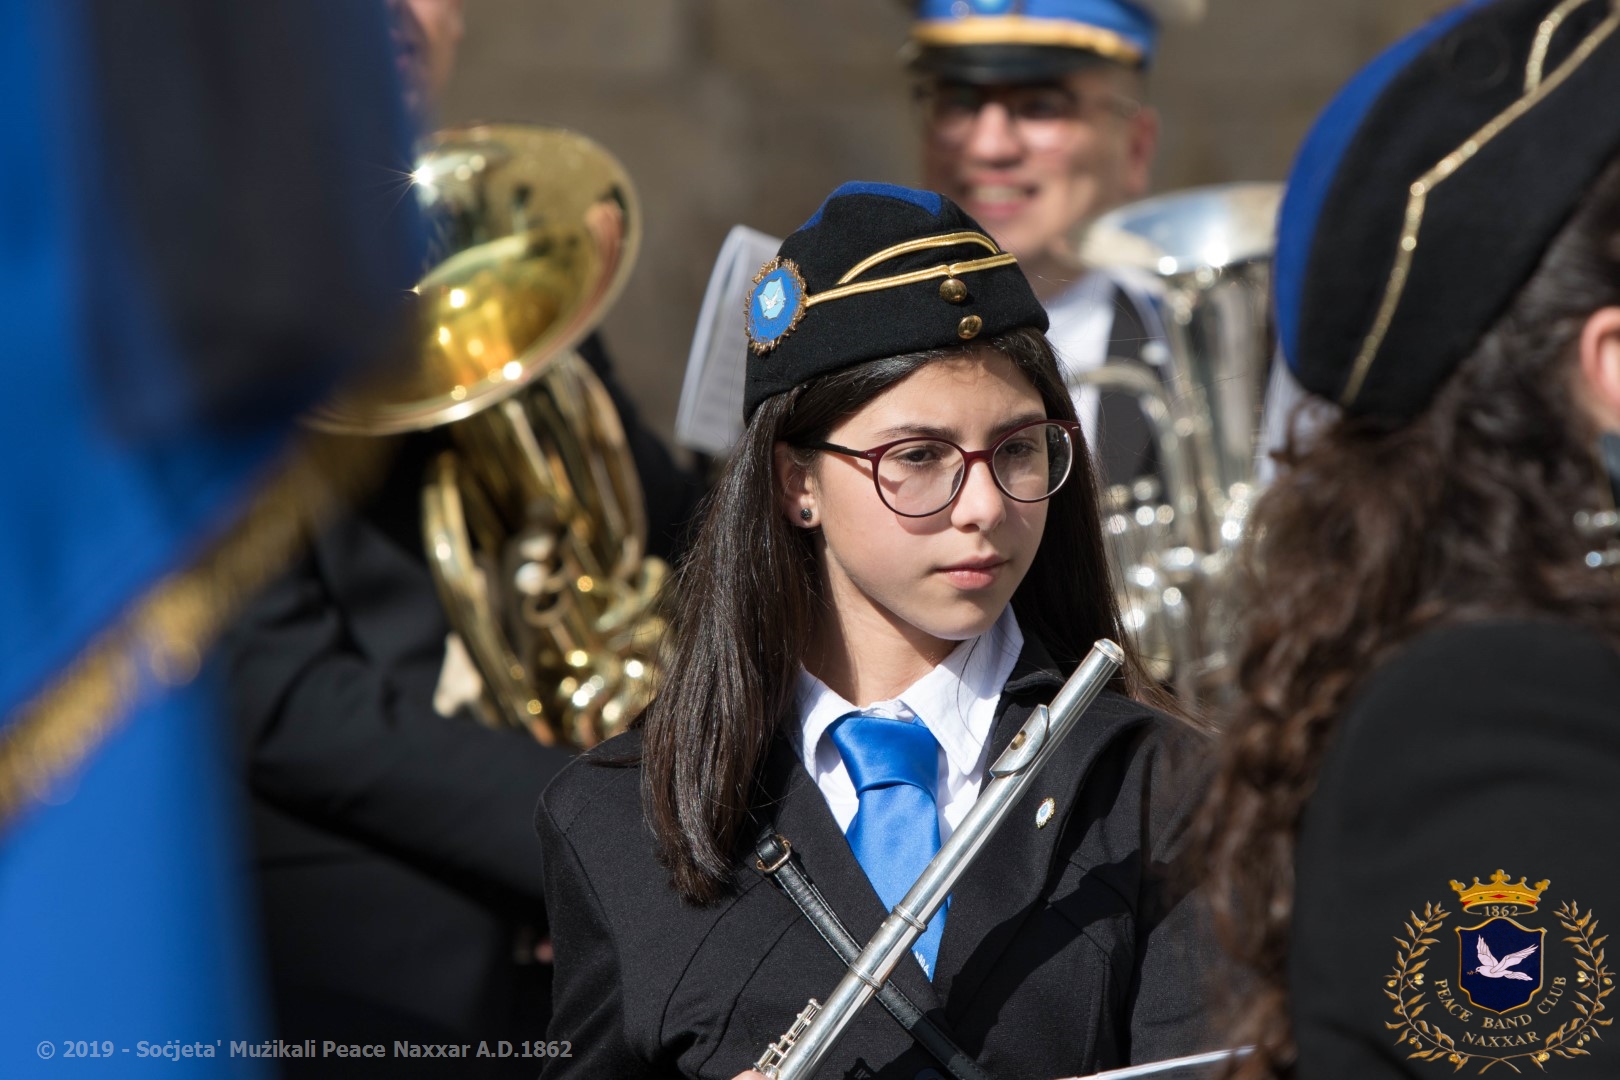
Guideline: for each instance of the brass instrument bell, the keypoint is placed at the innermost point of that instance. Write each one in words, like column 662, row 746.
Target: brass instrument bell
column 534, row 523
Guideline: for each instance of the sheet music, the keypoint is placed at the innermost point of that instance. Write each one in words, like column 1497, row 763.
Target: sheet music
column 1192, row 1067
column 709, row 418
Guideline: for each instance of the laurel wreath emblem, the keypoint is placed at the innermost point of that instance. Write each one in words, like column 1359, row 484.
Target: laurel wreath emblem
column 1593, row 983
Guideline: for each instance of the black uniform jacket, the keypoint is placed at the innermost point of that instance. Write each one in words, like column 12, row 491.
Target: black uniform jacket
column 1067, row 948
column 395, row 864
column 399, row 880
column 1477, row 748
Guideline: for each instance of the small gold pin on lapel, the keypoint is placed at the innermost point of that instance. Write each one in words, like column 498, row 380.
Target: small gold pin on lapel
column 1043, row 815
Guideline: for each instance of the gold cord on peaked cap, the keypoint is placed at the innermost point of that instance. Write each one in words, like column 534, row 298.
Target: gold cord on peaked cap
column 847, row 286
column 1537, row 90
column 1024, row 30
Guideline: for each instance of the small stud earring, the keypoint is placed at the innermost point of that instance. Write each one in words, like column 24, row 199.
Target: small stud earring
column 805, row 514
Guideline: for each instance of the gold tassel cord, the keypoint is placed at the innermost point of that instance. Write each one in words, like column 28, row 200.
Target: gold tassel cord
column 160, row 639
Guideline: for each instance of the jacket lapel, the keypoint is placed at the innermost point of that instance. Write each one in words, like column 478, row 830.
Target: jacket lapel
column 1008, row 881
column 802, row 815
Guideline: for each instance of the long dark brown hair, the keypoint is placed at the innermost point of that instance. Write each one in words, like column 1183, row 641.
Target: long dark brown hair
column 745, row 602
column 1376, row 531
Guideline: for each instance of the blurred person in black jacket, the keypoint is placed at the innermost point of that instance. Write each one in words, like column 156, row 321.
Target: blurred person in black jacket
column 400, row 880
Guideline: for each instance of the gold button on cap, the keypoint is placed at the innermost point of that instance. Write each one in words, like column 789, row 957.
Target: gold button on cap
column 952, row 290
column 969, row 328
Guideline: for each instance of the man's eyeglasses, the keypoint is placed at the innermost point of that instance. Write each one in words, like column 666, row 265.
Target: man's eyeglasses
column 920, row 476
column 1043, row 113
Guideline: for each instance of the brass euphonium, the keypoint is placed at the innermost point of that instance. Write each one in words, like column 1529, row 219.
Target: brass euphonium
column 533, row 521
column 1173, row 537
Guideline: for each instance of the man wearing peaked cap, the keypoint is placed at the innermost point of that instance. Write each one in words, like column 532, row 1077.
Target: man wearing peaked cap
column 1431, row 656
column 1034, row 120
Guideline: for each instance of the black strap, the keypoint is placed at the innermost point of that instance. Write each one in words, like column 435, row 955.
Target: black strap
column 1125, row 440
column 773, row 857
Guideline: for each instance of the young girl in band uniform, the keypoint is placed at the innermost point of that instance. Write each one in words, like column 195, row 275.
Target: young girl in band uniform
column 859, row 585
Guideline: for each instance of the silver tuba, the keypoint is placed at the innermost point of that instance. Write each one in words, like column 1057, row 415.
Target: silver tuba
column 533, row 519
column 1172, row 536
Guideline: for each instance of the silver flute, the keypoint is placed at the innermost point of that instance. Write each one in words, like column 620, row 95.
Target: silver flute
column 796, row 1055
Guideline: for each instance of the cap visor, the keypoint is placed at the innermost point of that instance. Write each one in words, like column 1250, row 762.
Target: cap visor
column 1004, row 63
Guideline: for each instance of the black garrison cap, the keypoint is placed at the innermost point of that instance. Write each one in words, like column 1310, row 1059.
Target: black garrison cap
column 878, row 271
column 1429, row 190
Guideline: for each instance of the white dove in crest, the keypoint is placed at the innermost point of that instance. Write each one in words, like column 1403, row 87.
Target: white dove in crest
column 1492, row 968
column 773, row 299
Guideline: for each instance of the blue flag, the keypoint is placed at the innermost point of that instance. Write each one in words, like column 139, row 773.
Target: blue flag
column 196, row 241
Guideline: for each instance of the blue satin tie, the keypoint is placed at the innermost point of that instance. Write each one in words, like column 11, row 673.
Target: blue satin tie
column 894, row 764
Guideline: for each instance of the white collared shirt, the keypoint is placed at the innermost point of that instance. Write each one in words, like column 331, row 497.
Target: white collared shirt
column 1082, row 328
column 1082, row 318
column 957, row 701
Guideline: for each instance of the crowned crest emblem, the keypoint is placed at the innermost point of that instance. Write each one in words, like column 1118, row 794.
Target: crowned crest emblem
column 1508, row 996
column 1500, row 967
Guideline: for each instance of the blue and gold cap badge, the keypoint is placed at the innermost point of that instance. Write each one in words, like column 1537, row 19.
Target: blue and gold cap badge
column 775, row 304
column 1502, row 990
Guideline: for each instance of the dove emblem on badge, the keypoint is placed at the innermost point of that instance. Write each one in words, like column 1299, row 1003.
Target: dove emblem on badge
column 772, row 299
column 1540, row 1002
column 1492, row 968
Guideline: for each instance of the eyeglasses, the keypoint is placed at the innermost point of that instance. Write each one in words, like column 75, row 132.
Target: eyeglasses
column 920, row 476
column 1045, row 114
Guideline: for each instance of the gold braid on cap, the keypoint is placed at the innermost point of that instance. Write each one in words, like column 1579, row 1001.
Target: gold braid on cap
column 1538, row 85
column 847, row 286
column 1024, row 30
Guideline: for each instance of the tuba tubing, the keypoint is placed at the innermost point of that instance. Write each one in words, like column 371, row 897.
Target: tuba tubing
column 532, row 516
column 1172, row 552
column 1174, row 450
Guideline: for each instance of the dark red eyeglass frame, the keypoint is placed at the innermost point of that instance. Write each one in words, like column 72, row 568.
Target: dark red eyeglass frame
column 987, row 455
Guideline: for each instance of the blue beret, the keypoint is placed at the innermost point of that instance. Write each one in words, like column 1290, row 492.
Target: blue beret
column 878, row 271
column 1428, row 191
column 1013, row 40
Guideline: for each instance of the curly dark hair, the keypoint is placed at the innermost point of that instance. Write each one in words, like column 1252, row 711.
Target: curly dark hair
column 1375, row 531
